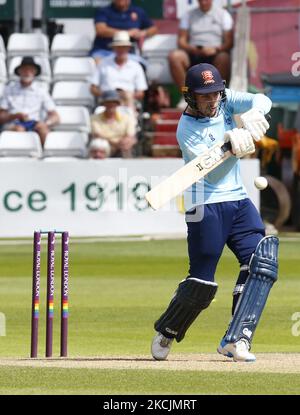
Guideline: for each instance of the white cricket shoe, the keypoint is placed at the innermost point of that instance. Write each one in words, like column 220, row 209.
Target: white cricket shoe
column 239, row 350
column 161, row 346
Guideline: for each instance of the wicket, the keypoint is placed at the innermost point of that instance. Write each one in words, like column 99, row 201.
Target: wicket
column 50, row 292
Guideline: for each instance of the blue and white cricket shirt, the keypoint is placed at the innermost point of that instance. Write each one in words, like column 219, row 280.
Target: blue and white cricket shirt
column 197, row 135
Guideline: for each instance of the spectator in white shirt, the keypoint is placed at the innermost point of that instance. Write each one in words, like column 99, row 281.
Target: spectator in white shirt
column 120, row 73
column 26, row 107
column 205, row 36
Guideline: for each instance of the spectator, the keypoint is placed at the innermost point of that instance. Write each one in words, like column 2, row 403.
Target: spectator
column 120, row 15
column 24, row 104
column 157, row 98
column 120, row 73
column 115, row 126
column 99, row 149
column 205, row 36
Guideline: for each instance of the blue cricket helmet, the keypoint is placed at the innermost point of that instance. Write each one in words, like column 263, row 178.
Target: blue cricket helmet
column 203, row 78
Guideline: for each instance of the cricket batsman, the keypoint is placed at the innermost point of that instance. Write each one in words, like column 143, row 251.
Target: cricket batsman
column 228, row 216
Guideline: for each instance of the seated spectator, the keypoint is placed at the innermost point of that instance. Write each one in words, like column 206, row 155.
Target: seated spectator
column 121, row 15
column 157, row 98
column 99, row 149
column 116, row 127
column 120, row 73
column 205, row 36
column 24, row 104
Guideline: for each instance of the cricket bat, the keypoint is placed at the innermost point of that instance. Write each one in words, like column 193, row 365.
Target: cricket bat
column 189, row 174
column 193, row 171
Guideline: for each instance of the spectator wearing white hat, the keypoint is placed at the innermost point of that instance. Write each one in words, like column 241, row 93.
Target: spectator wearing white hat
column 99, row 149
column 115, row 126
column 120, row 73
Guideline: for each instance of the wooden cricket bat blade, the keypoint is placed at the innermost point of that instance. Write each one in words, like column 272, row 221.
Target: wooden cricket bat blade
column 189, row 174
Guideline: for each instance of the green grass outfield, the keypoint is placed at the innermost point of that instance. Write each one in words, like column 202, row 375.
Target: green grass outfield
column 117, row 290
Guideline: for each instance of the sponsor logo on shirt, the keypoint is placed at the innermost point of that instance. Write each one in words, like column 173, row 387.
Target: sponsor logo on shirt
column 134, row 16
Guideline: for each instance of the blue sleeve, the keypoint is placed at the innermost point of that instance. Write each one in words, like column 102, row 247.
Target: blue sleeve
column 240, row 102
column 145, row 20
column 101, row 15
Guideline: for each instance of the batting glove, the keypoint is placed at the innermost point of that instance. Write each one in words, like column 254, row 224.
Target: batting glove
column 254, row 121
column 241, row 142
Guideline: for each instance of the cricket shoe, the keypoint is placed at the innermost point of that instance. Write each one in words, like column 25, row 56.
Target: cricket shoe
column 161, row 346
column 239, row 350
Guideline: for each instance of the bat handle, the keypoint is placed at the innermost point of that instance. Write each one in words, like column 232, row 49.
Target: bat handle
column 226, row 147
column 268, row 117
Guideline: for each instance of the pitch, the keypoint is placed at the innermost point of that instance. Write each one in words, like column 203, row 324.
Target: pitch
column 116, row 292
